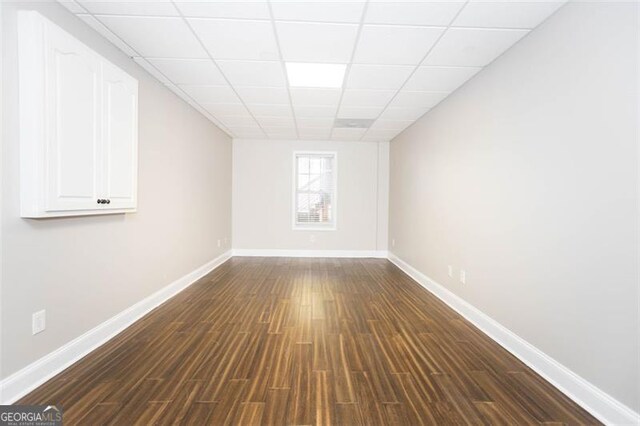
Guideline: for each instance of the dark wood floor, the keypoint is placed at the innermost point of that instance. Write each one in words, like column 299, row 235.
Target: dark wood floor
column 305, row 341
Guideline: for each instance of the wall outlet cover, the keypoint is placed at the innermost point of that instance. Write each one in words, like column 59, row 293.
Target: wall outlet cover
column 38, row 321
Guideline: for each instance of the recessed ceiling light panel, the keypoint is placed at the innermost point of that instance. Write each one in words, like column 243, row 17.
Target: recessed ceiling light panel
column 315, row 75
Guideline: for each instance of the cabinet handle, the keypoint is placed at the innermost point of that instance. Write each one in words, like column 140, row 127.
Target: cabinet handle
column 108, row 201
column 100, row 200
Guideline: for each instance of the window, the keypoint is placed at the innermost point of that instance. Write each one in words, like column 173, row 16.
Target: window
column 314, row 195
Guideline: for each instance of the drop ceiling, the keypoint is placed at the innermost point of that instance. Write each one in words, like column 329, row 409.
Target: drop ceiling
column 228, row 59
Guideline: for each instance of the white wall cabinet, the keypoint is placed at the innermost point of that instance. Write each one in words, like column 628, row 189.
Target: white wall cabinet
column 78, row 126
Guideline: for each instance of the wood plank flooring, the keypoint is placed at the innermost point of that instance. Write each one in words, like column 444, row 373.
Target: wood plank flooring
column 279, row 341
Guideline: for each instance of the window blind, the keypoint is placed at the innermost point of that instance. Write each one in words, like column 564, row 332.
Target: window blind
column 315, row 189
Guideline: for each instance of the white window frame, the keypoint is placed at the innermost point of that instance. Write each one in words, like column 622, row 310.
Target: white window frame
column 334, row 202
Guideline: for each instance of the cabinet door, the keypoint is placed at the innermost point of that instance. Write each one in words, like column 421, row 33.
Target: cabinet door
column 73, row 123
column 120, row 138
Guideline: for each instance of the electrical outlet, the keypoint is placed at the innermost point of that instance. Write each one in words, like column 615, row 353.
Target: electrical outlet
column 312, row 238
column 38, row 322
column 450, row 271
column 463, row 276
column 219, row 243
column 226, row 240
column 393, row 242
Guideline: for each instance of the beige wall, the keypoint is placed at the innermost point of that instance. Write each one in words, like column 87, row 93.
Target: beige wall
column 527, row 178
column 84, row 270
column 262, row 194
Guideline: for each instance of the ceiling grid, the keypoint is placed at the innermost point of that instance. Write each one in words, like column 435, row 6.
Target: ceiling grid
column 229, row 58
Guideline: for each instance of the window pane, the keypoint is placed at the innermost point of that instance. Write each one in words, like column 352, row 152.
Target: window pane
column 303, row 203
column 326, row 182
column 303, row 165
column 316, row 164
column 314, row 199
column 315, row 182
column 315, row 207
column 303, row 181
column 327, row 164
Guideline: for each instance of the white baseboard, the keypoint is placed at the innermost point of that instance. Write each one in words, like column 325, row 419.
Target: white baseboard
column 381, row 254
column 600, row 404
column 24, row 381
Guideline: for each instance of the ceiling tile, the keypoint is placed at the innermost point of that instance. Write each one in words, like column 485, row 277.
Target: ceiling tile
column 156, row 37
column 403, row 113
column 388, row 44
column 276, row 121
column 314, row 42
column 253, row 73
column 253, row 9
column 314, row 133
column 359, row 112
column 381, row 134
column 263, row 95
column 247, row 132
column 322, row 11
column 138, row 7
column 190, row 71
column 237, row 39
column 506, row 14
column 378, row 76
column 271, row 110
column 304, row 96
column 371, row 98
column 440, row 79
column 107, row 33
column 323, row 122
column 225, row 109
column 237, row 120
column 281, row 132
column 315, row 111
column 472, row 46
column 391, row 125
column 412, row 12
column 347, row 134
column 211, row 94
column 411, row 99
